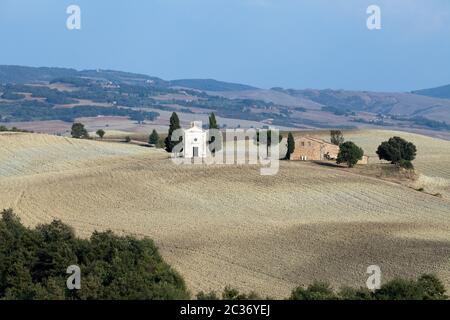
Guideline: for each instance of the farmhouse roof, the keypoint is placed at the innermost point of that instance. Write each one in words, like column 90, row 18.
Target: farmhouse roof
column 318, row 140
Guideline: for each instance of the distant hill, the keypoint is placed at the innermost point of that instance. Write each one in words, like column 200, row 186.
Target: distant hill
column 438, row 92
column 210, row 85
column 21, row 75
column 47, row 94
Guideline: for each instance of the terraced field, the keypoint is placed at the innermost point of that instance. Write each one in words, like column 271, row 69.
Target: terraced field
column 222, row 225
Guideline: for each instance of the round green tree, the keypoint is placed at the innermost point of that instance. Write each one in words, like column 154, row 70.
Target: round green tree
column 100, row 133
column 397, row 151
column 79, row 131
column 349, row 153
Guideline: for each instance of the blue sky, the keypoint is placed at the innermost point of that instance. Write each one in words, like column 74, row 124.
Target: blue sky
column 266, row 43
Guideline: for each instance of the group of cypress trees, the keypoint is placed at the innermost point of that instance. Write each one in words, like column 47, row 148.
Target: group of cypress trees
column 175, row 124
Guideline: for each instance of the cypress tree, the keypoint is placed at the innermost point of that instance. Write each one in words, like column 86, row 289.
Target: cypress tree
column 213, row 125
column 290, row 146
column 213, row 122
column 154, row 137
column 174, row 125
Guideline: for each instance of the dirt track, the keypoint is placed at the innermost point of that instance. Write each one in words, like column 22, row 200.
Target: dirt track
column 228, row 224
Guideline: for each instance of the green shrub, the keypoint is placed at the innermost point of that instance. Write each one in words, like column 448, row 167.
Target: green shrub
column 427, row 287
column 34, row 263
column 207, row 296
column 316, row 291
column 230, row 293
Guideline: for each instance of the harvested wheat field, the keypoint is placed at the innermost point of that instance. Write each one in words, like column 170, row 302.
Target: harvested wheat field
column 432, row 162
column 228, row 225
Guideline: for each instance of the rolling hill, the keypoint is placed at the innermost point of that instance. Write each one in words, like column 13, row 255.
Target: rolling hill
column 228, row 225
column 210, row 85
column 438, row 92
column 50, row 94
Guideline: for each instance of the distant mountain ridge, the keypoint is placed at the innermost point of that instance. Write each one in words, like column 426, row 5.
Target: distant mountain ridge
column 211, row 85
column 305, row 108
column 22, row 75
column 438, row 92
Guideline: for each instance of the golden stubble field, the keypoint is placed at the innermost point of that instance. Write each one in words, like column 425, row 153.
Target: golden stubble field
column 228, row 225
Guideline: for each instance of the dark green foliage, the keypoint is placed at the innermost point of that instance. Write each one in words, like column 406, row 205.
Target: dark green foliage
column 213, row 122
column 348, row 293
column 100, row 133
column 153, row 138
column 174, row 125
column 228, row 293
column 399, row 289
column 432, row 287
column 397, row 149
column 406, row 164
column 13, row 129
column 207, row 296
column 427, row 287
column 212, row 139
column 336, row 137
column 34, row 263
column 79, row 131
column 349, row 153
column 233, row 294
column 127, row 139
column 290, row 146
column 316, row 291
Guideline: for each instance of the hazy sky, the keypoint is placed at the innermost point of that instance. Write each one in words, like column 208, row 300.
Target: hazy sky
column 266, row 43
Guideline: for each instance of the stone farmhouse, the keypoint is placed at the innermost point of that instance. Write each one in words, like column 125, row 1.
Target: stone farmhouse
column 315, row 149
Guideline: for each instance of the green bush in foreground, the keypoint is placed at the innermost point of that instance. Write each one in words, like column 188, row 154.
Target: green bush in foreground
column 427, row 287
column 34, row 263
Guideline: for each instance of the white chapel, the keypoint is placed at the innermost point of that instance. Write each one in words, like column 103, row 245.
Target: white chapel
column 195, row 141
